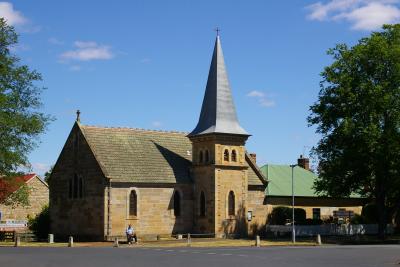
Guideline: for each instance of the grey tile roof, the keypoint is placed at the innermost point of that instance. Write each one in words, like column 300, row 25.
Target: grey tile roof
column 135, row 155
column 218, row 113
column 146, row 156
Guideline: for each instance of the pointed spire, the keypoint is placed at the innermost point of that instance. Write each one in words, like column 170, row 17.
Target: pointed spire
column 218, row 113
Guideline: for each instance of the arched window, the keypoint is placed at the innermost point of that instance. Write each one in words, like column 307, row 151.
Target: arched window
column 76, row 185
column 201, row 156
column 231, row 203
column 177, row 204
column 234, row 156
column 70, row 188
column 80, row 195
column 207, row 157
column 133, row 203
column 202, row 204
column 226, row 155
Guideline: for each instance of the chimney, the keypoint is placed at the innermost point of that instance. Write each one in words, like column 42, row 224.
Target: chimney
column 253, row 156
column 303, row 162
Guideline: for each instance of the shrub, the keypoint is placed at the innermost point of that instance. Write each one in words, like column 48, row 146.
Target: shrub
column 40, row 225
column 281, row 215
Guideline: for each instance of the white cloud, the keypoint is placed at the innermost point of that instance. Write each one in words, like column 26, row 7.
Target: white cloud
column 256, row 93
column 12, row 16
column 40, row 168
column 156, row 124
column 262, row 98
column 55, row 41
column 75, row 68
column 362, row 14
column 145, row 60
column 86, row 51
column 19, row 48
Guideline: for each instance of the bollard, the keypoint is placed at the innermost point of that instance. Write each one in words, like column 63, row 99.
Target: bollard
column 17, row 241
column 319, row 239
column 70, row 242
column 51, row 238
column 189, row 240
column 258, row 243
column 116, row 242
column 179, row 237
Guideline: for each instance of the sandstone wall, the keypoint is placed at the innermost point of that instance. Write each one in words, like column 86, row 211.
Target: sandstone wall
column 38, row 198
column 155, row 209
column 81, row 217
column 327, row 205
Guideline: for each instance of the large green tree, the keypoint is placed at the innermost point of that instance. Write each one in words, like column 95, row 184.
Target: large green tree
column 358, row 117
column 21, row 120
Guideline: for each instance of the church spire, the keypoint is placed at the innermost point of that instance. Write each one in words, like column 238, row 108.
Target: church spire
column 218, row 113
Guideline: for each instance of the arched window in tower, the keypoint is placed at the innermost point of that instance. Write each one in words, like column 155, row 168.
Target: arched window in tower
column 231, row 204
column 226, row 155
column 177, row 204
column 207, row 156
column 202, row 204
column 70, row 188
column 133, row 203
column 234, row 156
column 76, row 186
column 80, row 194
column 201, row 156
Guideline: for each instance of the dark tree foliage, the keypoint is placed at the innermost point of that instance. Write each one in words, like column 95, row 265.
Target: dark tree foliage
column 40, row 224
column 358, row 116
column 21, row 121
column 48, row 174
column 282, row 215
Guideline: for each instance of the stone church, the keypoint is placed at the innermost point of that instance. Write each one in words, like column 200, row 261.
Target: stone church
column 161, row 182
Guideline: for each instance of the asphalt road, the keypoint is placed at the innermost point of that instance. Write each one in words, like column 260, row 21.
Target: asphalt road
column 326, row 256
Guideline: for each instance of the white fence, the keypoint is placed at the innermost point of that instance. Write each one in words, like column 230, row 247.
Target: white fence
column 328, row 229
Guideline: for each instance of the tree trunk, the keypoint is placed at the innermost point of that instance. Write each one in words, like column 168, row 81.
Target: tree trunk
column 380, row 202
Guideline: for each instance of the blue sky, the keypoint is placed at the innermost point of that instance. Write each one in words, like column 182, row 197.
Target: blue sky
column 144, row 64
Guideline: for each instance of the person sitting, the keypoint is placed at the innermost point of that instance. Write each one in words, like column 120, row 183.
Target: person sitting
column 130, row 235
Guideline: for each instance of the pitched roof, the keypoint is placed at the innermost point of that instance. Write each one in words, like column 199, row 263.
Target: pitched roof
column 280, row 181
column 12, row 184
column 145, row 156
column 218, row 113
column 136, row 155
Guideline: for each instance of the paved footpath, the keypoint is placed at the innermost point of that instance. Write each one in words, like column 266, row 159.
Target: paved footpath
column 365, row 256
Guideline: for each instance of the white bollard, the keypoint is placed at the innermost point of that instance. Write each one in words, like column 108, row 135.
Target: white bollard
column 17, row 241
column 51, row 238
column 319, row 242
column 70, row 242
column 258, row 242
column 116, row 242
column 189, row 240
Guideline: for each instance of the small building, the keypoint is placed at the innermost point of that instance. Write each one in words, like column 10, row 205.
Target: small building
column 279, row 193
column 38, row 197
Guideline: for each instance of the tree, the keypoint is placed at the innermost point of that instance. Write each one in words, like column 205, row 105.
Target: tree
column 40, row 224
column 48, row 174
column 21, row 121
column 358, row 117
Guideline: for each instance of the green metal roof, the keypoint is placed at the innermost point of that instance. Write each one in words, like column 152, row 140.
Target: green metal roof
column 280, row 181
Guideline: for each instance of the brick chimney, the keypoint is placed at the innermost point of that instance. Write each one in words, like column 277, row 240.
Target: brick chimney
column 253, row 156
column 303, row 162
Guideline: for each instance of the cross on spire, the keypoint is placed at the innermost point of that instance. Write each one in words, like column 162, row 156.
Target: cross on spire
column 217, row 29
column 78, row 114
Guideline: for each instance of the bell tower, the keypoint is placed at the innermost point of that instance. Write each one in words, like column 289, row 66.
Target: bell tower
column 218, row 156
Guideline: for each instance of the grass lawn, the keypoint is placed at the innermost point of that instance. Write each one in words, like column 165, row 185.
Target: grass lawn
column 196, row 242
